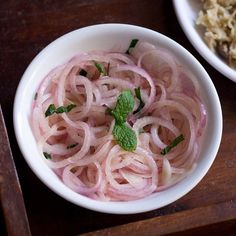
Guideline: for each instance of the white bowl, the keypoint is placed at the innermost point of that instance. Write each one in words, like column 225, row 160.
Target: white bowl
column 104, row 37
column 187, row 13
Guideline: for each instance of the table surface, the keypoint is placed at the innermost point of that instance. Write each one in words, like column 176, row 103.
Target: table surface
column 26, row 27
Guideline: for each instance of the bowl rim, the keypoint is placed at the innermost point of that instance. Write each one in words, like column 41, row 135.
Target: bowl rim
column 129, row 207
column 198, row 43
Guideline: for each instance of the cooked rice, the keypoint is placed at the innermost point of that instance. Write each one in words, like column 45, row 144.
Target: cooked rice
column 219, row 19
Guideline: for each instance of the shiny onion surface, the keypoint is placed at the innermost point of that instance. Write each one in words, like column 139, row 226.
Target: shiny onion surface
column 74, row 131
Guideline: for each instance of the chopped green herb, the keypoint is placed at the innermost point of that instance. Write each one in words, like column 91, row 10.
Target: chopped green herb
column 72, row 146
column 174, row 143
column 124, row 105
column 132, row 45
column 52, row 109
column 70, row 107
column 125, row 137
column 141, row 103
column 62, row 109
column 83, row 72
column 46, row 155
column 35, row 96
column 100, row 68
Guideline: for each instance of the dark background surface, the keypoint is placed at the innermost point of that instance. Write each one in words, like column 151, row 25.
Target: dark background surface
column 26, row 27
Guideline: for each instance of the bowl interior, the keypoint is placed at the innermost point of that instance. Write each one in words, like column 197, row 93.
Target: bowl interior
column 107, row 37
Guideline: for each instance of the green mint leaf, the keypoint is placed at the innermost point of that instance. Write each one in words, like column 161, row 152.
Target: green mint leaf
column 125, row 137
column 66, row 109
column 141, row 103
column 124, row 105
column 132, row 45
column 174, row 143
column 70, row 107
column 83, row 72
column 71, row 146
column 46, row 155
column 51, row 110
column 61, row 109
column 100, row 68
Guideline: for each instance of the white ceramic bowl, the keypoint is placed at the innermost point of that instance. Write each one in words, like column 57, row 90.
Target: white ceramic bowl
column 104, row 37
column 187, row 13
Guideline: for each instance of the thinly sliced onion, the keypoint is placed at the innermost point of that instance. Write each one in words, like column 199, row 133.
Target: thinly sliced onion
column 83, row 151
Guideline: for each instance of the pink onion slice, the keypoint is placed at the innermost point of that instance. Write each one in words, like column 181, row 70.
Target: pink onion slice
column 80, row 145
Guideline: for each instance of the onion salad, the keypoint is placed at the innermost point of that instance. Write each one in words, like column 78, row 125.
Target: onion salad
column 119, row 126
